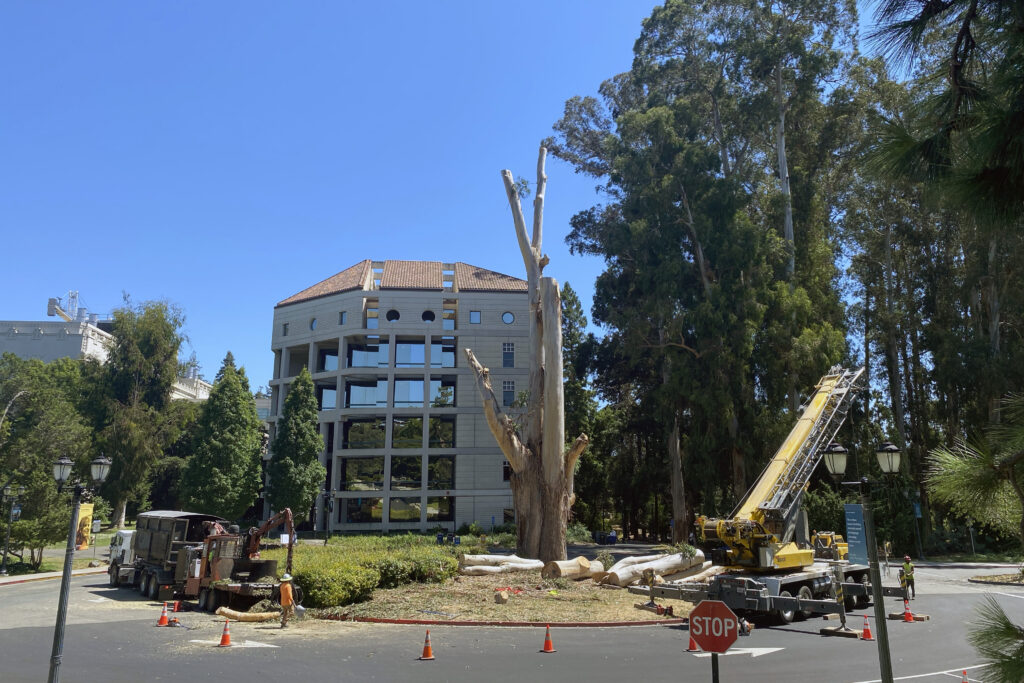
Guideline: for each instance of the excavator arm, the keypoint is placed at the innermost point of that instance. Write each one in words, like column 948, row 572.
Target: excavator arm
column 759, row 533
column 255, row 535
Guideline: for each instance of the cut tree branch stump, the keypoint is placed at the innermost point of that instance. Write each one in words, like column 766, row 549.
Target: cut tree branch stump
column 578, row 568
column 668, row 564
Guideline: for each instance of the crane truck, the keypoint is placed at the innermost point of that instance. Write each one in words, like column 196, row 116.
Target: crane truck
column 772, row 565
column 176, row 554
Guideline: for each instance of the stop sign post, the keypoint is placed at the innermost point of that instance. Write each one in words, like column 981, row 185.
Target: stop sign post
column 714, row 627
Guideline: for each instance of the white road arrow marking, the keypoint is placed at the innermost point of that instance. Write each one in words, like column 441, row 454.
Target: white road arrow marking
column 752, row 651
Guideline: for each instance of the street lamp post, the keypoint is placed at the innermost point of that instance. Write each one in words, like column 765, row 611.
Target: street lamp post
column 99, row 469
column 889, row 461
column 12, row 498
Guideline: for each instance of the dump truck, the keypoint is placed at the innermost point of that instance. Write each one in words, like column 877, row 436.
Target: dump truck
column 176, row 554
column 771, row 564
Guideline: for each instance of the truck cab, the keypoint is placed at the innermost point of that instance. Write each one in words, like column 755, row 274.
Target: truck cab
column 120, row 553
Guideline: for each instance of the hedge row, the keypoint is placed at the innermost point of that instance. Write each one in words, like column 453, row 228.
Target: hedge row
column 350, row 568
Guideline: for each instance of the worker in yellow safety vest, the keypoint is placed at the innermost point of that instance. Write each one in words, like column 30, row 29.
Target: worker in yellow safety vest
column 908, row 575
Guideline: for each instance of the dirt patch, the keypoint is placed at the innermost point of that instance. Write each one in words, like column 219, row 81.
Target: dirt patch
column 1015, row 579
column 471, row 598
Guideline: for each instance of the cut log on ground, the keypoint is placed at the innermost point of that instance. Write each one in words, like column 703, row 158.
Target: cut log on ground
column 630, row 561
column 703, row 575
column 481, row 570
column 578, row 568
column 497, row 560
column 669, row 564
column 692, row 571
column 247, row 616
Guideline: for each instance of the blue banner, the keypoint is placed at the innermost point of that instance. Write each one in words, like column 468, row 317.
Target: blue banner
column 855, row 536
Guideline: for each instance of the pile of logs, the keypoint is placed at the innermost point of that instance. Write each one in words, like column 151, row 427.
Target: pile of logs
column 672, row 567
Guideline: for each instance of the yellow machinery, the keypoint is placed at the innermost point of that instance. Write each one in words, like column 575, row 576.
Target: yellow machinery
column 760, row 532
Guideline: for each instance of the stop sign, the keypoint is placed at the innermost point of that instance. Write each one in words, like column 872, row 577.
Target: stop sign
column 714, row 626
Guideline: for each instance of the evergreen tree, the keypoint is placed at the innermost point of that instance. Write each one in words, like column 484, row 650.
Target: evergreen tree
column 296, row 474
column 223, row 476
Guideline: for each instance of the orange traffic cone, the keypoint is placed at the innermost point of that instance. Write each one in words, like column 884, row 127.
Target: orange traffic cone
column 693, row 646
column 428, row 652
column 965, row 679
column 162, row 621
column 177, row 606
column 225, row 638
column 907, row 616
column 548, row 645
column 866, row 635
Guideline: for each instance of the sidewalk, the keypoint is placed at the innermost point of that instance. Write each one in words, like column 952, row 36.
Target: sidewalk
column 42, row 576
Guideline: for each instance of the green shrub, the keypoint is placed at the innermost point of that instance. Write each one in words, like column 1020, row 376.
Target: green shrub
column 331, row 585
column 577, row 533
column 606, row 559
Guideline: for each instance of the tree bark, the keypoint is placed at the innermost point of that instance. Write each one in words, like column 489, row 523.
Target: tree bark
column 669, row 564
column 120, row 506
column 787, row 200
column 542, row 468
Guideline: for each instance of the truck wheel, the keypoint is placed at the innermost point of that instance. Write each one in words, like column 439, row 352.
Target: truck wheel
column 213, row 600
column 144, row 585
column 785, row 616
column 154, row 587
column 204, row 599
column 112, row 577
column 865, row 600
column 804, row 594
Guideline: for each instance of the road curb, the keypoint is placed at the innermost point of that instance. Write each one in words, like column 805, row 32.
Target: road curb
column 541, row 624
column 995, row 583
column 49, row 578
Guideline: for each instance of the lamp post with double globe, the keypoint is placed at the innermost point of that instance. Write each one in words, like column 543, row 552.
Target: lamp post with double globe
column 99, row 469
column 9, row 496
column 888, row 456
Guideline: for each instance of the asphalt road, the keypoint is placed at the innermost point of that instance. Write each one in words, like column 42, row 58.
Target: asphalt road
column 111, row 638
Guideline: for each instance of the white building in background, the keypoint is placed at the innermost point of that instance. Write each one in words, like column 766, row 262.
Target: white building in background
column 49, row 340
column 407, row 446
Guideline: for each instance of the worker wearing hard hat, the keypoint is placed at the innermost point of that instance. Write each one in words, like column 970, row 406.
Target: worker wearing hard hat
column 287, row 599
column 908, row 575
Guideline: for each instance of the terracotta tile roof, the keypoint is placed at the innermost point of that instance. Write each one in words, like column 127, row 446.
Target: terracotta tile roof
column 347, row 280
column 412, row 275
column 473, row 279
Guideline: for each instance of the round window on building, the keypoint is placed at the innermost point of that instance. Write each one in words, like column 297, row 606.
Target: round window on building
column 393, row 315
column 312, row 324
column 507, row 318
column 428, row 316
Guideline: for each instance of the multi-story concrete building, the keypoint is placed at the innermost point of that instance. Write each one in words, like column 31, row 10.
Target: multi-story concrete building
column 407, row 446
column 49, row 340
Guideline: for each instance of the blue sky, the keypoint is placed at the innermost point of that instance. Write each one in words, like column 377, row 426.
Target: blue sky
column 226, row 155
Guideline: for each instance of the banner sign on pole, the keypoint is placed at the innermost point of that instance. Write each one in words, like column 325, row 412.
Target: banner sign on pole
column 855, row 538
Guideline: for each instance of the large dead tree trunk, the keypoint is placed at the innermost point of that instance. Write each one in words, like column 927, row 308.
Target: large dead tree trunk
column 542, row 468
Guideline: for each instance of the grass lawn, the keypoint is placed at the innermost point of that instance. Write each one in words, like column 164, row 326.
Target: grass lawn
column 49, row 564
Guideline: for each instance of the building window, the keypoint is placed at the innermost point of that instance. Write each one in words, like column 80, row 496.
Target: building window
column 327, row 361
column 404, row 510
column 474, row 317
column 362, row 474
column 366, row 393
column 508, row 392
column 284, row 330
column 326, row 397
column 441, row 509
column 409, row 353
column 508, row 355
column 441, row 472
column 372, row 314
column 358, row 510
column 506, row 471
column 393, row 315
column 312, row 324
column 449, row 314
column 442, row 352
column 406, row 473
column 441, row 431
column 342, row 317
column 448, row 279
column 407, row 432
column 367, row 352
column 409, row 393
column 442, row 392
column 428, row 316
column 508, row 318
column 366, row 433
